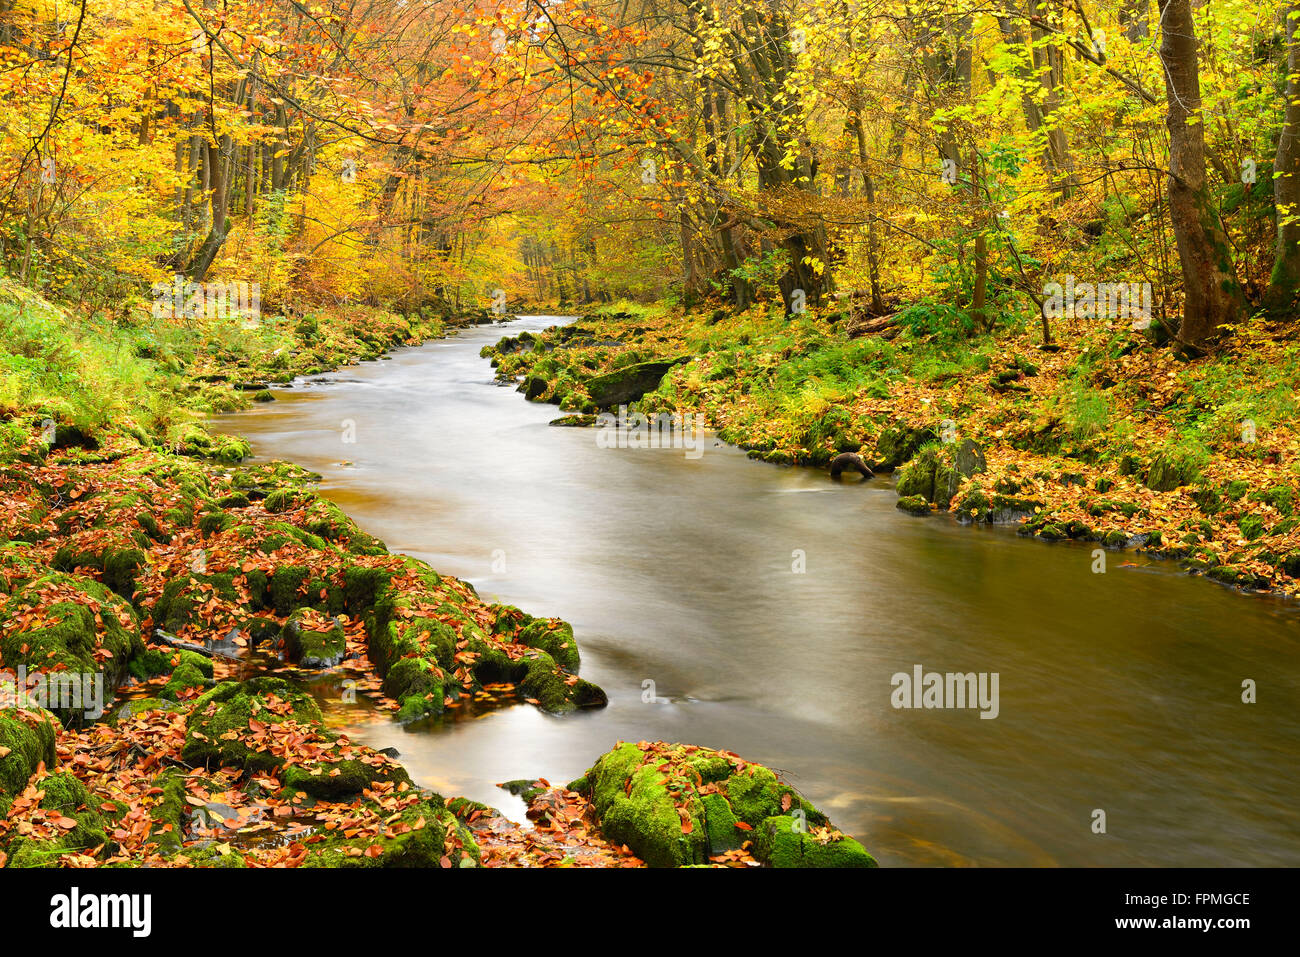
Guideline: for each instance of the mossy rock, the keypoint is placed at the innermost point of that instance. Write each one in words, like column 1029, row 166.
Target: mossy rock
column 258, row 480
column 635, row 808
column 310, row 646
column 341, row 780
column 27, row 737
column 18, row 566
column 214, row 523
column 198, row 443
column 77, row 621
column 417, row 684
column 553, row 636
column 151, row 663
column 524, row 788
column 933, row 476
column 178, row 605
column 1174, row 468
column 285, row 499
column 1279, row 497
column 138, row 706
column 914, row 505
column 423, row 844
column 168, row 810
column 899, row 443
column 1252, row 527
column 227, row 709
column 192, row 671
column 64, row 794
column 329, row 522
column 119, row 564
column 677, row 805
column 785, row 841
column 629, row 383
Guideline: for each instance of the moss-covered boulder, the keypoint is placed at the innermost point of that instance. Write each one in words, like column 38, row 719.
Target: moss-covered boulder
column 27, row 738
column 422, row 833
column 630, row 382
column 76, row 632
column 553, row 636
column 676, row 805
column 18, row 565
column 235, row 723
column 898, row 443
column 61, row 818
column 199, row 443
column 192, row 671
column 313, row 639
column 937, row 471
column 1175, row 466
column 343, row 774
column 913, row 505
column 327, row 520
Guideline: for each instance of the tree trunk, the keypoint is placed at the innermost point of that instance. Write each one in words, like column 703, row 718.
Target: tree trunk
column 1213, row 296
column 1285, row 279
column 220, row 160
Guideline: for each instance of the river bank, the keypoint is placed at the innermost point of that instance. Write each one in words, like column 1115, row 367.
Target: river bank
column 171, row 574
column 1112, row 440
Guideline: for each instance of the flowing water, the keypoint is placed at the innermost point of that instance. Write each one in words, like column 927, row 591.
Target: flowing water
column 1119, row 692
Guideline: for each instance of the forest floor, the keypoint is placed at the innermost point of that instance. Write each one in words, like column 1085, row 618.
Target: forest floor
column 164, row 607
column 1110, row 438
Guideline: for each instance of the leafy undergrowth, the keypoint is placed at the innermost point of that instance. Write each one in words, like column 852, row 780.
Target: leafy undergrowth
column 1113, row 438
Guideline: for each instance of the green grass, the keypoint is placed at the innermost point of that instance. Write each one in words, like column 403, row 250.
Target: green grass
column 75, row 372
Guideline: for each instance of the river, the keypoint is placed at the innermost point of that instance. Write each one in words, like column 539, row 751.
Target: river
column 771, row 607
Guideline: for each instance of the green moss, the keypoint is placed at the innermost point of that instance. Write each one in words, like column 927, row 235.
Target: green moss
column 341, row 780
column 326, row 520
column 914, row 505
column 188, row 674
column 75, row 634
column 311, row 648
column 228, row 708
column 1252, row 527
column 642, row 816
column 214, row 523
column 28, row 736
column 18, row 566
column 68, row 796
column 417, row 684
column 168, row 810
column 639, row 797
column 416, row 848
column 284, row 499
column 554, row 637
column 184, row 595
column 783, row 841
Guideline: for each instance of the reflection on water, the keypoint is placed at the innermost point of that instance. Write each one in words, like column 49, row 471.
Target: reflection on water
column 1118, row 691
